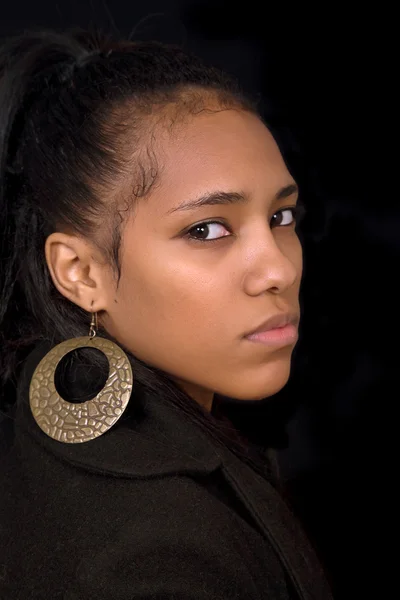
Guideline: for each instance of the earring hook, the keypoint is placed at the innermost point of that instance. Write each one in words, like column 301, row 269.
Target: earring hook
column 93, row 325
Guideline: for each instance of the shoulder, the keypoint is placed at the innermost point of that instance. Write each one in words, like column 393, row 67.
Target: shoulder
column 166, row 537
column 180, row 542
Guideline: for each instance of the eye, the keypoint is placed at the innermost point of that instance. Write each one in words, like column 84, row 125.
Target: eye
column 285, row 216
column 200, row 232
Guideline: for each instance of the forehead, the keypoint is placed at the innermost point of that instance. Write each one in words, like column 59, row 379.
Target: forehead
column 226, row 149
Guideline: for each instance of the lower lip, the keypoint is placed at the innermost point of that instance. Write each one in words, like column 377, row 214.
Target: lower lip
column 281, row 336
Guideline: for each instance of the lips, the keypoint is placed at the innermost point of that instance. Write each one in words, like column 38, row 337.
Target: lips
column 276, row 321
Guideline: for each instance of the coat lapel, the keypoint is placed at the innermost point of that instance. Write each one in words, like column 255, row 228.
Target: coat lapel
column 278, row 525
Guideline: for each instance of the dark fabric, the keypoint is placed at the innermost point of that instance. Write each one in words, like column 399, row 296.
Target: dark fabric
column 150, row 510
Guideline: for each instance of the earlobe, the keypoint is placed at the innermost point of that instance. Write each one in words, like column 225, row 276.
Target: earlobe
column 73, row 269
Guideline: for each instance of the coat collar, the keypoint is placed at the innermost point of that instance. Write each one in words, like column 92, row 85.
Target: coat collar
column 152, row 439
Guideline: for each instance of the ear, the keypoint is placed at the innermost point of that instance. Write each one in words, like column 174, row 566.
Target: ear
column 78, row 270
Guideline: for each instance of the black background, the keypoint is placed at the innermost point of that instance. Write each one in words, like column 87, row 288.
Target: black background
column 323, row 76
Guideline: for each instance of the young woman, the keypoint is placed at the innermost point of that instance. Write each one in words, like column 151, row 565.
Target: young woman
column 150, row 268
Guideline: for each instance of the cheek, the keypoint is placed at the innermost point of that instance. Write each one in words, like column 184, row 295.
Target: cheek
column 298, row 258
column 168, row 305
column 291, row 247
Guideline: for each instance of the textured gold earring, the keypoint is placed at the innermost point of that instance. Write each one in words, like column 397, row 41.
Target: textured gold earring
column 76, row 423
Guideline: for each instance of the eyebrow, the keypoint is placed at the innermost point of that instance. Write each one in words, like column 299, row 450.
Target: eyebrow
column 219, row 197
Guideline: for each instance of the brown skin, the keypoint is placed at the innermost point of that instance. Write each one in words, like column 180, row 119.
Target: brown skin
column 183, row 306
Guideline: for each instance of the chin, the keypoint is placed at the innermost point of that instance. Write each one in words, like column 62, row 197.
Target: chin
column 261, row 394
column 255, row 387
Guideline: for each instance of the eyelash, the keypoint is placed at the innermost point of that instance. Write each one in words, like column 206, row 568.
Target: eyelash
column 297, row 211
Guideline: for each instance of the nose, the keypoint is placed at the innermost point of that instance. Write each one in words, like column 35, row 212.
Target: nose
column 272, row 267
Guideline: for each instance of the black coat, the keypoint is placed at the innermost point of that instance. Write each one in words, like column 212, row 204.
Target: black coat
column 150, row 510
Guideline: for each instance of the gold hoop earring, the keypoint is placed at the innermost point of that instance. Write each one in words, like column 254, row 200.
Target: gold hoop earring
column 76, row 423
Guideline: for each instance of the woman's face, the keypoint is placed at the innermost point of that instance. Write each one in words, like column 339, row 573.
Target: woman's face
column 183, row 305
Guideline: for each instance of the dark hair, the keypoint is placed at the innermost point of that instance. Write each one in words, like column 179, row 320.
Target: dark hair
column 75, row 117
